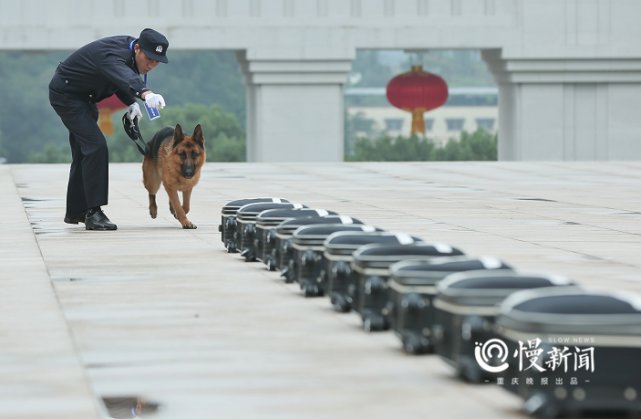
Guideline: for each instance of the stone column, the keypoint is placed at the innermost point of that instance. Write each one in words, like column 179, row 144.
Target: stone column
column 567, row 108
column 295, row 108
column 250, row 107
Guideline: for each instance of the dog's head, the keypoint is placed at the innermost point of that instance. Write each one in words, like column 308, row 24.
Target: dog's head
column 190, row 149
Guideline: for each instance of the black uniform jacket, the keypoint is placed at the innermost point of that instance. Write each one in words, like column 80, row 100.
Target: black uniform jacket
column 102, row 68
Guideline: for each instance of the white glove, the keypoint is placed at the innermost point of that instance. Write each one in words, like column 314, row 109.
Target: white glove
column 154, row 100
column 134, row 112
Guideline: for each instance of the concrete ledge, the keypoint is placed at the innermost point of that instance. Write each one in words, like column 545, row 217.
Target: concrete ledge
column 40, row 372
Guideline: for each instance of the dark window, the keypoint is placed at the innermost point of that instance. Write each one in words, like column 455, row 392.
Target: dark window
column 393, row 124
column 454, row 124
column 429, row 123
column 485, row 123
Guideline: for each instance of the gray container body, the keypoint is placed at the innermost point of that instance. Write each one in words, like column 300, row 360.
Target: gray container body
column 308, row 266
column 588, row 347
column 266, row 222
column 342, row 281
column 246, row 225
column 284, row 252
column 228, row 225
column 466, row 306
column 412, row 289
column 371, row 264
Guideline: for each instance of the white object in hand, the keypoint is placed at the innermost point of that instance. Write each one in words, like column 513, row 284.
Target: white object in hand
column 154, row 100
column 134, row 112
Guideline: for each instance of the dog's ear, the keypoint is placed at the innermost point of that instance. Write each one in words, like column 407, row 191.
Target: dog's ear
column 198, row 136
column 178, row 135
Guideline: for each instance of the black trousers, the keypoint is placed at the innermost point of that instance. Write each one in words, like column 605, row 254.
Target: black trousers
column 88, row 185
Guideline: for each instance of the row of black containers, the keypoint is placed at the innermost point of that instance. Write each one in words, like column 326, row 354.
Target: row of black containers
column 564, row 349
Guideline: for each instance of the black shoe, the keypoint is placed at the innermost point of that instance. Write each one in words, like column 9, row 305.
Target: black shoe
column 75, row 219
column 95, row 219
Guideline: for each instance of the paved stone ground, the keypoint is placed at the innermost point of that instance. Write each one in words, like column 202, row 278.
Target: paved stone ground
column 165, row 315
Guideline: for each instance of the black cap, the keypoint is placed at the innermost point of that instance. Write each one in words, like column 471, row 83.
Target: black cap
column 154, row 45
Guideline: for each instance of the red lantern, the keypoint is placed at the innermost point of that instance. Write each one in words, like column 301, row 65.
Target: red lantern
column 106, row 108
column 417, row 92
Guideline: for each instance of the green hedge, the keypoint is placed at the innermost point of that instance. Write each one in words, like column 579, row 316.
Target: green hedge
column 479, row 145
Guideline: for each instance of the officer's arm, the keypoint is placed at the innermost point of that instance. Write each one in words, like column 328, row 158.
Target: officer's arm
column 125, row 98
column 127, row 81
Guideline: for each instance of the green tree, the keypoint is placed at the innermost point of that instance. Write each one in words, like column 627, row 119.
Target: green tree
column 356, row 125
column 51, row 153
column 224, row 137
column 371, row 70
column 202, row 77
column 2, row 149
column 32, row 131
column 27, row 121
column 359, row 124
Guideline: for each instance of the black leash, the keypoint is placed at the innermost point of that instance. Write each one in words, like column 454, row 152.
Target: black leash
column 133, row 131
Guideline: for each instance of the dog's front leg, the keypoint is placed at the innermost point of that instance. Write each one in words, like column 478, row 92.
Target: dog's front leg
column 153, row 208
column 186, row 200
column 152, row 181
column 174, row 202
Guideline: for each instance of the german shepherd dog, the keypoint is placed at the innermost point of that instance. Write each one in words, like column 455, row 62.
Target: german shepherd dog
column 175, row 160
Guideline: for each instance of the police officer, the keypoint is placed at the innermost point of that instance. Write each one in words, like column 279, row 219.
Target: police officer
column 96, row 71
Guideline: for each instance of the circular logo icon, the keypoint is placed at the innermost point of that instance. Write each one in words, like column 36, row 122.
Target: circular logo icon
column 491, row 355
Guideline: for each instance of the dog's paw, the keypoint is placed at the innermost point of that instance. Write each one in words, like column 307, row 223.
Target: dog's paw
column 153, row 212
column 189, row 226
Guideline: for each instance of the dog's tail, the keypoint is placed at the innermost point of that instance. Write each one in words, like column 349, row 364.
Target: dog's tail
column 153, row 145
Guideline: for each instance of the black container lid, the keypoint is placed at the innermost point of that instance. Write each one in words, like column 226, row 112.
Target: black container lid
column 346, row 242
column 273, row 217
column 287, row 227
column 428, row 271
column 490, row 287
column 250, row 211
column 232, row 207
column 378, row 255
column 315, row 235
column 575, row 311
